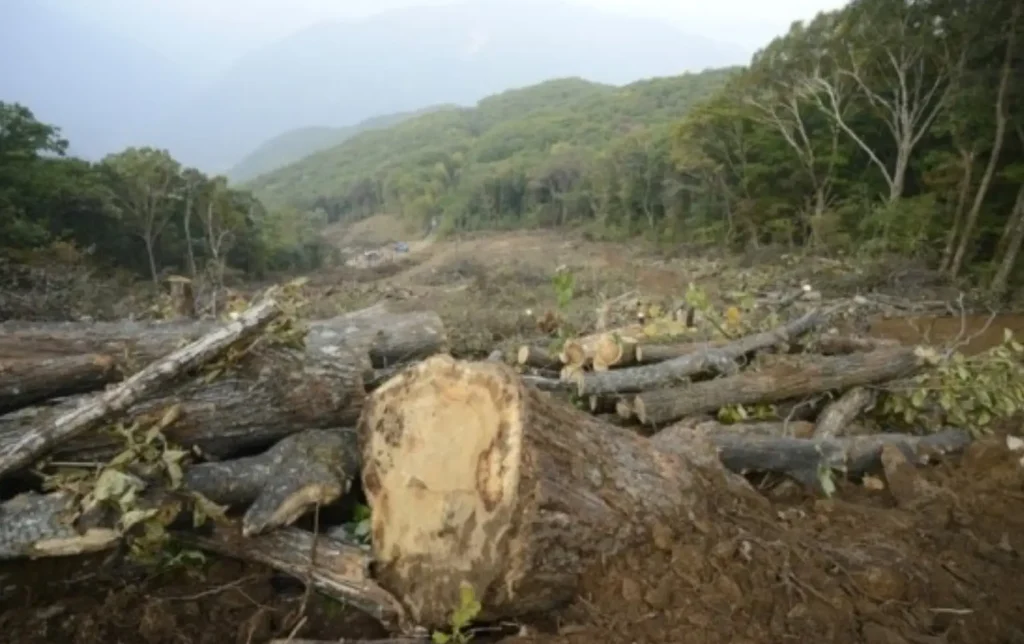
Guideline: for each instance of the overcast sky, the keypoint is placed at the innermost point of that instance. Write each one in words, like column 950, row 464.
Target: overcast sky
column 184, row 29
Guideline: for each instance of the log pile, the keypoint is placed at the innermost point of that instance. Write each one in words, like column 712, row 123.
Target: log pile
column 478, row 473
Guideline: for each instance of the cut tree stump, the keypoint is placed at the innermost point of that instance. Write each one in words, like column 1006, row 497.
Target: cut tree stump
column 27, row 381
column 57, row 428
column 721, row 359
column 784, row 381
column 475, row 477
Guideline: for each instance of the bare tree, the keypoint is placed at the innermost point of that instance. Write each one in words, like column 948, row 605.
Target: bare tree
column 906, row 63
column 1002, row 119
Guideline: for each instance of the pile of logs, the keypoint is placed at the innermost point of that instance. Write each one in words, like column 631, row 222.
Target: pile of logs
column 477, row 473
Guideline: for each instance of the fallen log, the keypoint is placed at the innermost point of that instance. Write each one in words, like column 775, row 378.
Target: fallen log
column 388, row 337
column 309, row 469
column 36, row 525
column 721, row 359
column 334, row 568
column 804, row 460
column 614, row 350
column 836, row 345
column 475, row 478
column 805, row 377
column 653, row 353
column 27, row 381
column 841, row 412
column 269, row 394
column 57, row 428
column 580, row 352
column 537, row 357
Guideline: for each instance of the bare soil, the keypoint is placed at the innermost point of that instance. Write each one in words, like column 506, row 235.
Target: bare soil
column 933, row 557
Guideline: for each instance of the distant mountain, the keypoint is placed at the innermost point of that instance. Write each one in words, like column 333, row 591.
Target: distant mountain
column 457, row 159
column 338, row 73
column 104, row 91
column 299, row 143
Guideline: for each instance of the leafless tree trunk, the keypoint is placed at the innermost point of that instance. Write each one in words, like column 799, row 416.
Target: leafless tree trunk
column 967, row 235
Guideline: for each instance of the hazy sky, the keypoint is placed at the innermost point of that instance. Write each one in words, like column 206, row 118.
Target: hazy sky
column 184, row 29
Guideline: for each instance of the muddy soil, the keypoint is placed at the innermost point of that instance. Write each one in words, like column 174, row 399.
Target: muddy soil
column 943, row 564
column 935, row 559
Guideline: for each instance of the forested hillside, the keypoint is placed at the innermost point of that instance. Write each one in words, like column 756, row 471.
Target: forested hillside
column 294, row 145
column 537, row 140
column 138, row 210
column 886, row 127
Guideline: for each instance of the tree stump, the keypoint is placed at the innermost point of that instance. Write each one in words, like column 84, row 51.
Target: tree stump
column 475, row 477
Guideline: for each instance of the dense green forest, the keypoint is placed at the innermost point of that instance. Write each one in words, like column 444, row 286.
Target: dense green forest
column 885, row 127
column 294, row 145
column 138, row 209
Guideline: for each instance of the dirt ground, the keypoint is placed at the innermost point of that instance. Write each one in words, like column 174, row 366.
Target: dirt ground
column 934, row 557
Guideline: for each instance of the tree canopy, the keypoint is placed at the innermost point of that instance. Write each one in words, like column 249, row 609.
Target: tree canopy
column 138, row 209
column 889, row 126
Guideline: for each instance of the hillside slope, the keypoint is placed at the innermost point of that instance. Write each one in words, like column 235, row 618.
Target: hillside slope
column 338, row 73
column 294, row 145
column 447, row 160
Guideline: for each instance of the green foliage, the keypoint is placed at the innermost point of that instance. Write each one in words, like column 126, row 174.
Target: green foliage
column 467, row 610
column 138, row 209
column 564, row 283
column 970, row 393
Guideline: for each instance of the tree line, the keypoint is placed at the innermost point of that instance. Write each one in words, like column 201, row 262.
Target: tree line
column 138, row 209
column 888, row 126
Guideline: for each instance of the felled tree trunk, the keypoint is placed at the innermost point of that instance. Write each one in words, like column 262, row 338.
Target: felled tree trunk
column 268, row 395
column 476, row 478
column 804, row 377
column 312, row 468
column 387, row 337
column 26, row 381
column 805, row 460
column 721, row 359
column 53, row 429
column 841, row 412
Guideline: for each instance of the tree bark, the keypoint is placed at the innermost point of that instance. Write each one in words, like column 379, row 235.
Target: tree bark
column 312, row 468
column 537, row 357
column 268, row 395
column 654, row 353
column 388, row 337
column 531, row 494
column 308, row 469
column 841, row 412
column 56, row 428
column 804, row 459
column 722, row 360
column 839, row 345
column 1015, row 240
column 1002, row 118
column 26, row 381
column 805, row 377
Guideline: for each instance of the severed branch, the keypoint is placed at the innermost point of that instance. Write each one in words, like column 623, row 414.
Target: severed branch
column 777, row 383
column 841, row 412
column 311, row 468
column 722, row 360
column 805, row 459
column 57, row 428
column 341, row 571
